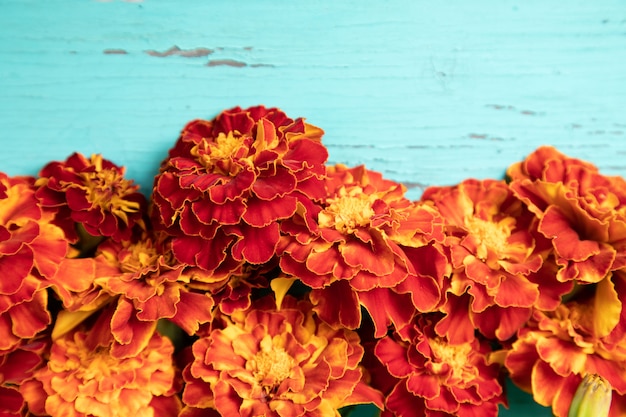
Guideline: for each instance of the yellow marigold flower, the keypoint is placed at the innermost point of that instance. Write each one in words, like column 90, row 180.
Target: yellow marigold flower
column 82, row 379
column 270, row 362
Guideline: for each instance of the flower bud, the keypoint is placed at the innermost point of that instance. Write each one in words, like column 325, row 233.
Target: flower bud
column 592, row 398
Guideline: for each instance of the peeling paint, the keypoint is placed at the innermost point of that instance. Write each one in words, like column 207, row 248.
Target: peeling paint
column 176, row 51
column 226, row 62
column 478, row 136
column 512, row 108
column 484, row 136
column 114, row 51
column 500, row 107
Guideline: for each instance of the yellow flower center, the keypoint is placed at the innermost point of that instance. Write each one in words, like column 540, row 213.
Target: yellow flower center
column 87, row 364
column 226, row 146
column 138, row 256
column 272, row 366
column 107, row 188
column 348, row 211
column 219, row 154
column 452, row 358
column 491, row 235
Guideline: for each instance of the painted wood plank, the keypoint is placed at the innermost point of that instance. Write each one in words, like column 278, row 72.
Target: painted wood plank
column 425, row 93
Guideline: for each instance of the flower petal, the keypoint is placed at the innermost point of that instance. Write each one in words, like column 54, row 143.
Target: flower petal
column 386, row 307
column 337, row 304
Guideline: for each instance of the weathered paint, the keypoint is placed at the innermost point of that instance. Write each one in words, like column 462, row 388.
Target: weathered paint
column 425, row 92
column 176, row 51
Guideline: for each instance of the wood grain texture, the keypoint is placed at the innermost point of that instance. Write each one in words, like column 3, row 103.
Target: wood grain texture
column 427, row 93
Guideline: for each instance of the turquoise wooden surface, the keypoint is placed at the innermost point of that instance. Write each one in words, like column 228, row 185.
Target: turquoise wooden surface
column 424, row 92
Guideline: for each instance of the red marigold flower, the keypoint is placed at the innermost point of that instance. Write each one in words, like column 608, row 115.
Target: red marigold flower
column 232, row 290
column 434, row 378
column 582, row 212
column 276, row 362
column 15, row 368
column 138, row 283
column 349, row 249
column 82, row 379
column 496, row 257
column 31, row 250
column 227, row 182
column 149, row 285
column 93, row 193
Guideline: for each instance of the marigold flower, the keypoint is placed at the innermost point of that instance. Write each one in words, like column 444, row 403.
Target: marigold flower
column 582, row 212
column 586, row 335
column 431, row 377
column 496, row 257
column 276, row 362
column 82, row 378
column 15, row 368
column 149, row 286
column 349, row 250
column 231, row 291
column 227, row 182
column 138, row 283
column 93, row 193
column 31, row 250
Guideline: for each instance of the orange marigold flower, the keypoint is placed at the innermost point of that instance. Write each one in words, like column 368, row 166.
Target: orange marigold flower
column 15, row 368
column 227, row 182
column 276, row 362
column 82, row 379
column 31, row 250
column 434, row 378
column 496, row 257
column 349, row 249
column 93, row 193
column 585, row 335
column 582, row 212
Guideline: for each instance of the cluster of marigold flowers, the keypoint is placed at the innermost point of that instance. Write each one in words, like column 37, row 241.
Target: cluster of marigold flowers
column 258, row 280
